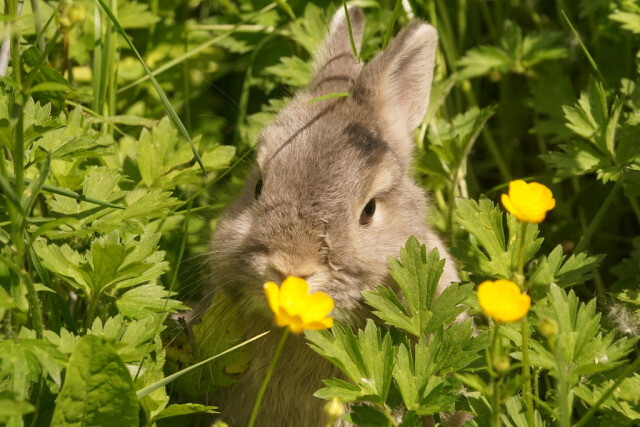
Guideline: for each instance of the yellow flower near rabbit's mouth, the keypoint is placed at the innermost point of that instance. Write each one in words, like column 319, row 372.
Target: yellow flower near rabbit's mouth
column 294, row 307
column 502, row 300
column 528, row 202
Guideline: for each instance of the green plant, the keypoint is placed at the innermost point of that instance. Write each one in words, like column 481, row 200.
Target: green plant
column 105, row 209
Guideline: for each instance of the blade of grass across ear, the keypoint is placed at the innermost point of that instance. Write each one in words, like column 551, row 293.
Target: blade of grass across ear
column 163, row 96
column 166, row 380
column 328, row 96
column 353, row 43
column 196, row 50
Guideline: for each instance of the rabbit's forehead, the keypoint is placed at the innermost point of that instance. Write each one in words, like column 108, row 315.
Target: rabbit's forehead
column 338, row 153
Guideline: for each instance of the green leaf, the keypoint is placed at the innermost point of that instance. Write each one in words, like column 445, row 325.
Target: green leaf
column 627, row 13
column 555, row 268
column 291, row 71
column 367, row 359
column 491, row 253
column 482, row 60
column 98, row 389
column 146, row 300
column 584, row 350
column 309, row 29
column 367, row 416
column 11, row 407
column 110, row 263
column 49, row 87
column 185, row 409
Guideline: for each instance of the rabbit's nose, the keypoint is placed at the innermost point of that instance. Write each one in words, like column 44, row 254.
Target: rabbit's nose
column 282, row 271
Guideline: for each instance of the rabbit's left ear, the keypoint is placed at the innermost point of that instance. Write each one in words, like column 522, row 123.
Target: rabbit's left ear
column 397, row 82
column 336, row 68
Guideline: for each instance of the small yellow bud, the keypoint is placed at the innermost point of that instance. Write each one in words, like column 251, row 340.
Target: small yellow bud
column 502, row 365
column 65, row 22
column 77, row 13
column 548, row 327
column 334, row 408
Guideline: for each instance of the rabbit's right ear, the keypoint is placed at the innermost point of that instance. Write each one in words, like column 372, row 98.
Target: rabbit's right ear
column 336, row 68
column 397, row 82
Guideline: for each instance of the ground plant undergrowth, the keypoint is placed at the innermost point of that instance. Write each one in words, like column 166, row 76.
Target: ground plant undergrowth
column 127, row 126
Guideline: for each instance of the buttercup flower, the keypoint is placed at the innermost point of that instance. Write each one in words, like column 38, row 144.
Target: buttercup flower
column 295, row 308
column 529, row 202
column 502, row 300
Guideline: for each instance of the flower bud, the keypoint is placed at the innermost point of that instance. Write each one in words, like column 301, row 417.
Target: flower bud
column 502, row 365
column 548, row 327
column 334, row 408
column 77, row 13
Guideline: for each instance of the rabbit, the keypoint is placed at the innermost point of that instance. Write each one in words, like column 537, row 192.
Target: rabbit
column 330, row 200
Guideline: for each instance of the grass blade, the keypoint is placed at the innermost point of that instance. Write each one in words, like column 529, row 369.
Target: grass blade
column 584, row 49
column 328, row 96
column 394, row 17
column 166, row 380
column 163, row 96
column 354, row 50
column 67, row 193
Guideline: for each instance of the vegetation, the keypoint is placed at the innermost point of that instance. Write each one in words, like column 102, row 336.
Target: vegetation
column 127, row 126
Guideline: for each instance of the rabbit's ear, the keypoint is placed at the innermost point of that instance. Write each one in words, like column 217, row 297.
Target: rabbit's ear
column 336, row 68
column 397, row 82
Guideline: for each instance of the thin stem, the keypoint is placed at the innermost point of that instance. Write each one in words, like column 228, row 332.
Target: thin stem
column 526, row 367
column 523, row 233
column 495, row 381
column 267, row 378
column 623, row 375
column 635, row 206
column 526, row 371
column 597, row 219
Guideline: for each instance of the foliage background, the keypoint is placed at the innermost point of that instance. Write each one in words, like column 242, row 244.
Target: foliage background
column 507, row 104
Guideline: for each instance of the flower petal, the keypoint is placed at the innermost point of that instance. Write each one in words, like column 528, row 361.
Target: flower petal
column 293, row 292
column 319, row 325
column 317, row 306
column 506, row 202
column 272, row 291
column 502, row 300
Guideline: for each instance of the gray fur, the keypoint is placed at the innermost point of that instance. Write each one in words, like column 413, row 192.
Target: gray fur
column 320, row 165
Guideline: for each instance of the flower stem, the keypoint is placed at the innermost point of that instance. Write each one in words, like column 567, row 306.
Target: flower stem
column 495, row 395
column 526, row 371
column 623, row 375
column 267, row 378
column 523, row 233
column 526, row 368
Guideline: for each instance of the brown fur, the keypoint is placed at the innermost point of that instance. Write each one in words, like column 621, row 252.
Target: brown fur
column 320, row 164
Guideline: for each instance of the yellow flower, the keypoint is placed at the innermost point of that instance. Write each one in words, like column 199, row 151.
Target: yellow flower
column 295, row 308
column 502, row 300
column 528, row 202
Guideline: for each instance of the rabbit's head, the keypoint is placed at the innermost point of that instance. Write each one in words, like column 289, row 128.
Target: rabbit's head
column 332, row 194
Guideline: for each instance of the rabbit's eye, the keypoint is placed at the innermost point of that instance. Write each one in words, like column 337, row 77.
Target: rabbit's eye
column 258, row 188
column 367, row 213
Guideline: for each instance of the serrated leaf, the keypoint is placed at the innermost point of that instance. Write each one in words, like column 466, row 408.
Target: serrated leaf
column 291, row 71
column 583, row 348
column 482, row 60
column 366, row 358
column 146, row 300
column 98, row 389
column 491, row 253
